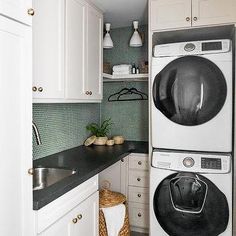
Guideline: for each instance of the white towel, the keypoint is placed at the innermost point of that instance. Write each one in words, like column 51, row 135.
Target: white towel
column 115, row 218
column 121, row 68
column 122, row 73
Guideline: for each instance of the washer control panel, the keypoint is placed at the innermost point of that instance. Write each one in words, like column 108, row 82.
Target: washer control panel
column 193, row 162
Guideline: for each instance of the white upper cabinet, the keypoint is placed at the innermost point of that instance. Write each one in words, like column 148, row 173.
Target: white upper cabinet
column 94, row 52
column 175, row 14
column 207, row 12
column 76, row 72
column 48, row 50
column 169, row 14
column 67, row 52
column 20, row 10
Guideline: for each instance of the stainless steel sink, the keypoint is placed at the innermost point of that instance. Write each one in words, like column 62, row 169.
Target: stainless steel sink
column 44, row 177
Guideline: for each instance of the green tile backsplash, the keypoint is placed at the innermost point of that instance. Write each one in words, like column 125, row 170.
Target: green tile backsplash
column 130, row 118
column 62, row 126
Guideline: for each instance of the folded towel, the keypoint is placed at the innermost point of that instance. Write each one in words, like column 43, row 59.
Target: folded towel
column 115, row 218
column 124, row 67
column 122, row 73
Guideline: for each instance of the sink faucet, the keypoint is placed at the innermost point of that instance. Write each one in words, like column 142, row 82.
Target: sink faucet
column 36, row 132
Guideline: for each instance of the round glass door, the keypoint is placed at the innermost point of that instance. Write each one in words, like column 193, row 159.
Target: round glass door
column 190, row 90
column 189, row 204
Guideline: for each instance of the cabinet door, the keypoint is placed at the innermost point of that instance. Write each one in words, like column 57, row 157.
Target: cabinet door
column 82, row 220
column 94, row 52
column 48, row 51
column 17, row 10
column 75, row 49
column 170, row 14
column 207, row 12
column 16, row 217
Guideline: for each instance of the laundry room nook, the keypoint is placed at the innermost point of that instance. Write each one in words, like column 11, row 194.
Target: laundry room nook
column 121, row 120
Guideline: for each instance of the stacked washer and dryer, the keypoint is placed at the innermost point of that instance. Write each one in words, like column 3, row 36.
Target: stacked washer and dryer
column 191, row 136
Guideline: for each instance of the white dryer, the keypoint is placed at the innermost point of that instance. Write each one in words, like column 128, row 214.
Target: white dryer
column 190, row 194
column 191, row 106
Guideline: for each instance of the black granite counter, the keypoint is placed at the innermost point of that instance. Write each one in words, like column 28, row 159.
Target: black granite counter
column 88, row 161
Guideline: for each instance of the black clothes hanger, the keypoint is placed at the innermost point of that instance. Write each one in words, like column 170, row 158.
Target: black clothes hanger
column 126, row 91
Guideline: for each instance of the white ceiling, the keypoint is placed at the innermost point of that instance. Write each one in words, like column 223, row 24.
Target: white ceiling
column 121, row 13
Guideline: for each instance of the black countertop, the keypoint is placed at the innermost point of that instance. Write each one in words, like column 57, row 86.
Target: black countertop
column 88, row 161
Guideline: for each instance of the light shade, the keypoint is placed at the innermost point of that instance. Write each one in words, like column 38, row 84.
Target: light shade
column 107, row 41
column 135, row 40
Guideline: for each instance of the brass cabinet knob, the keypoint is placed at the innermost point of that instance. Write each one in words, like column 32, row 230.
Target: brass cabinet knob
column 31, row 171
column 34, row 88
column 79, row 217
column 195, row 18
column 140, row 163
column 139, row 215
column 75, row 220
column 187, row 18
column 40, row 89
column 139, row 195
column 138, row 179
column 90, row 93
column 87, row 92
column 30, row 11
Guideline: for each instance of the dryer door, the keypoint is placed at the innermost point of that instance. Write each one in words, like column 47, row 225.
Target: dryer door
column 189, row 204
column 190, row 90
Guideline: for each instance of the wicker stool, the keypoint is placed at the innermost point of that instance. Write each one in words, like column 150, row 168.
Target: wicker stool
column 108, row 198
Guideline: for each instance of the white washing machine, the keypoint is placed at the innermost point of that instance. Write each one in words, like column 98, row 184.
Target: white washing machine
column 190, row 194
column 191, row 106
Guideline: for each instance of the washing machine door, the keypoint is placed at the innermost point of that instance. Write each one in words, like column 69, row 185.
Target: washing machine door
column 189, row 204
column 190, row 90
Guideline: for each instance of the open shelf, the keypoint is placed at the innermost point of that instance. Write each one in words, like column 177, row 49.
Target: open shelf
column 124, row 78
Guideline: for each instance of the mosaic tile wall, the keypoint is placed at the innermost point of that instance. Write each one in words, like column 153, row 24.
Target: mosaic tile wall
column 121, row 52
column 129, row 118
column 62, row 126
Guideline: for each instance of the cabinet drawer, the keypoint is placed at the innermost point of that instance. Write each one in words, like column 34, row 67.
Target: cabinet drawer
column 138, row 178
column 138, row 161
column 138, row 194
column 138, row 215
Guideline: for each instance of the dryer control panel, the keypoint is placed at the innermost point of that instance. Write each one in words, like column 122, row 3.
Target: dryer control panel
column 192, row 162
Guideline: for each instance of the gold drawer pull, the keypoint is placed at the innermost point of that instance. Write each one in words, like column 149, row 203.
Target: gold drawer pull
column 87, row 92
column 140, row 163
column 195, row 18
column 75, row 220
column 139, row 179
column 40, row 89
column 139, row 215
column 139, row 195
column 79, row 217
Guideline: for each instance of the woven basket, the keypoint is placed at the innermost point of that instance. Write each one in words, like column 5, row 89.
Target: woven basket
column 108, row 198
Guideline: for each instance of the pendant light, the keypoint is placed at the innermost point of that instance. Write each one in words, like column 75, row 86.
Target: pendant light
column 135, row 40
column 107, row 41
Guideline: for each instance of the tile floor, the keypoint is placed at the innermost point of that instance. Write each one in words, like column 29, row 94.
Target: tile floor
column 138, row 234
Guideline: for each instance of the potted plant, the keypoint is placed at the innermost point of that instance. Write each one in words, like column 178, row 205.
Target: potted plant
column 100, row 131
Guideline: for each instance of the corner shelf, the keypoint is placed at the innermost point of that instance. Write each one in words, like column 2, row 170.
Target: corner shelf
column 125, row 78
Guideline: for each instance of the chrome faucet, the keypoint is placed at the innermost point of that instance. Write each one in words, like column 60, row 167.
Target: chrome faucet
column 36, row 132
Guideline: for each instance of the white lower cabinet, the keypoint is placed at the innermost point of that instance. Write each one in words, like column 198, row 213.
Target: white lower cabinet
column 74, row 213
column 130, row 177
column 82, row 220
